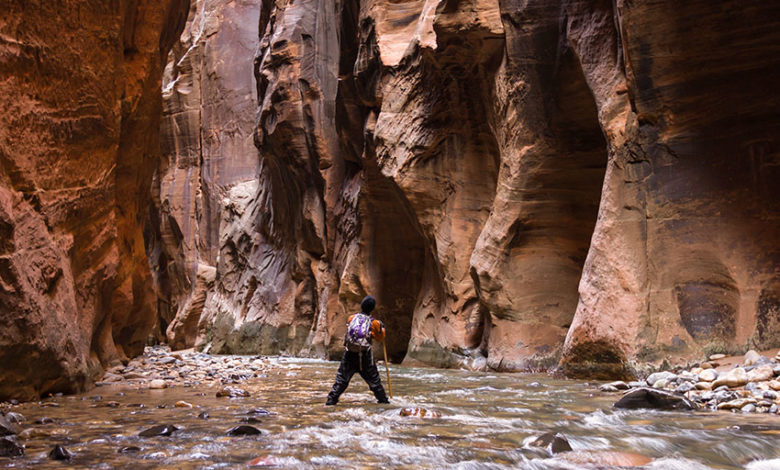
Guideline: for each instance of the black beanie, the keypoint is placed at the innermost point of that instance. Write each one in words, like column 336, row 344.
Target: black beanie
column 368, row 304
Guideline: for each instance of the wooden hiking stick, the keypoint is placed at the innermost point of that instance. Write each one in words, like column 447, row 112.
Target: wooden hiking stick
column 387, row 369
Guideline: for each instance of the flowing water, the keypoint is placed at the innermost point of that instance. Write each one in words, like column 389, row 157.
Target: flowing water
column 485, row 420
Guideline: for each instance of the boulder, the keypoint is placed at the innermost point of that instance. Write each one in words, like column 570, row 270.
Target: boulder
column 244, row 430
column 654, row 399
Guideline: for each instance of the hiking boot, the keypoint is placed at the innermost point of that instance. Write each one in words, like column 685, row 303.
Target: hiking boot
column 383, row 401
column 331, row 402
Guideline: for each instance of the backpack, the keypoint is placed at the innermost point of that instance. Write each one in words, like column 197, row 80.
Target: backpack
column 358, row 338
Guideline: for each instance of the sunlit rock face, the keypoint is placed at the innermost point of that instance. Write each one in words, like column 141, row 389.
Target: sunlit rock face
column 80, row 100
column 521, row 184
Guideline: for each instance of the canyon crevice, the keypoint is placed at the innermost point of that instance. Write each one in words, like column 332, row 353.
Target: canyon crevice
column 522, row 185
column 590, row 186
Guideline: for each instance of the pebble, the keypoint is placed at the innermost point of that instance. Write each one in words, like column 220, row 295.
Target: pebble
column 182, row 404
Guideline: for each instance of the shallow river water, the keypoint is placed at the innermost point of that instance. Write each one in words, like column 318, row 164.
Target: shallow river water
column 485, row 420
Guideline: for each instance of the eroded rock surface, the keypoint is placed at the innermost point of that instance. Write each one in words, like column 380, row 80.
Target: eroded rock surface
column 518, row 183
column 80, row 100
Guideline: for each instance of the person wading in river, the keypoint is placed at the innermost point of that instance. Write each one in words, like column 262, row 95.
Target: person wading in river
column 361, row 329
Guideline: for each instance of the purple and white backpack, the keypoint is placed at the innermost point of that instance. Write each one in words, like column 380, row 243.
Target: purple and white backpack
column 358, row 338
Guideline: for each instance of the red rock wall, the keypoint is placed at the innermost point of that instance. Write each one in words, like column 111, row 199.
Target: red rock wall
column 80, row 101
column 521, row 184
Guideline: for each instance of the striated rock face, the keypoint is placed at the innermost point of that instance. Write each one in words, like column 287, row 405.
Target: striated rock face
column 79, row 93
column 519, row 183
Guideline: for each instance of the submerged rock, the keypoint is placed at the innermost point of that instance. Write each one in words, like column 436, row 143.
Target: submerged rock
column 129, row 449
column 160, row 430
column 232, row 392
column 654, row 399
column 420, row 413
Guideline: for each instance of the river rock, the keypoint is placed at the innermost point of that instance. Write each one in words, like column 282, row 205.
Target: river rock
column 704, row 386
column 706, row 365
column 204, row 415
column 420, row 413
column 182, row 404
column 608, row 388
column 654, row 399
column 736, row 377
column 751, row 358
column 749, row 408
column 7, row 428
column 553, row 443
column 708, row 375
column 232, row 392
column 15, row 418
column 244, row 430
column 157, row 384
column 9, row 447
column 736, row 404
column 684, row 387
column 159, row 430
column 652, row 379
column 60, row 453
column 716, row 357
column 258, row 411
column 761, row 373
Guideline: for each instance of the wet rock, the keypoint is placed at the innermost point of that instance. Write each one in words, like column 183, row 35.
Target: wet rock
column 654, row 399
column 553, row 443
column 129, row 449
column 44, row 420
column 159, row 430
column 608, row 388
column 182, row 404
column 232, row 392
column 736, row 377
column 637, row 384
column 761, row 374
column 420, row 413
column 258, row 411
column 15, row 418
column 9, row 447
column 204, row 415
column 60, row 453
column 244, row 430
column 7, row 428
column 251, row 419
column 112, row 404
column 751, row 358
column 157, row 384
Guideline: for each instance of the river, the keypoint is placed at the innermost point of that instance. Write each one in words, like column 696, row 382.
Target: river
column 485, row 420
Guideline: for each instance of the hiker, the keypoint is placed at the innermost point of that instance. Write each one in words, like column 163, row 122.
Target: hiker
column 358, row 357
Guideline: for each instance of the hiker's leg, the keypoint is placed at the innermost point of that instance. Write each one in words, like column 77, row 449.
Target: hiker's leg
column 370, row 374
column 346, row 370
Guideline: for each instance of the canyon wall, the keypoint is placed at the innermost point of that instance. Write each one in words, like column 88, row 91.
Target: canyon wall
column 80, row 101
column 521, row 184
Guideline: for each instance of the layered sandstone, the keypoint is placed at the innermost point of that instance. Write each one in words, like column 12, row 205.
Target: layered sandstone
column 80, row 101
column 519, row 183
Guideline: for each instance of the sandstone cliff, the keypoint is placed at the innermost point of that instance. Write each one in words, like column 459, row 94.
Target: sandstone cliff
column 80, row 101
column 518, row 183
